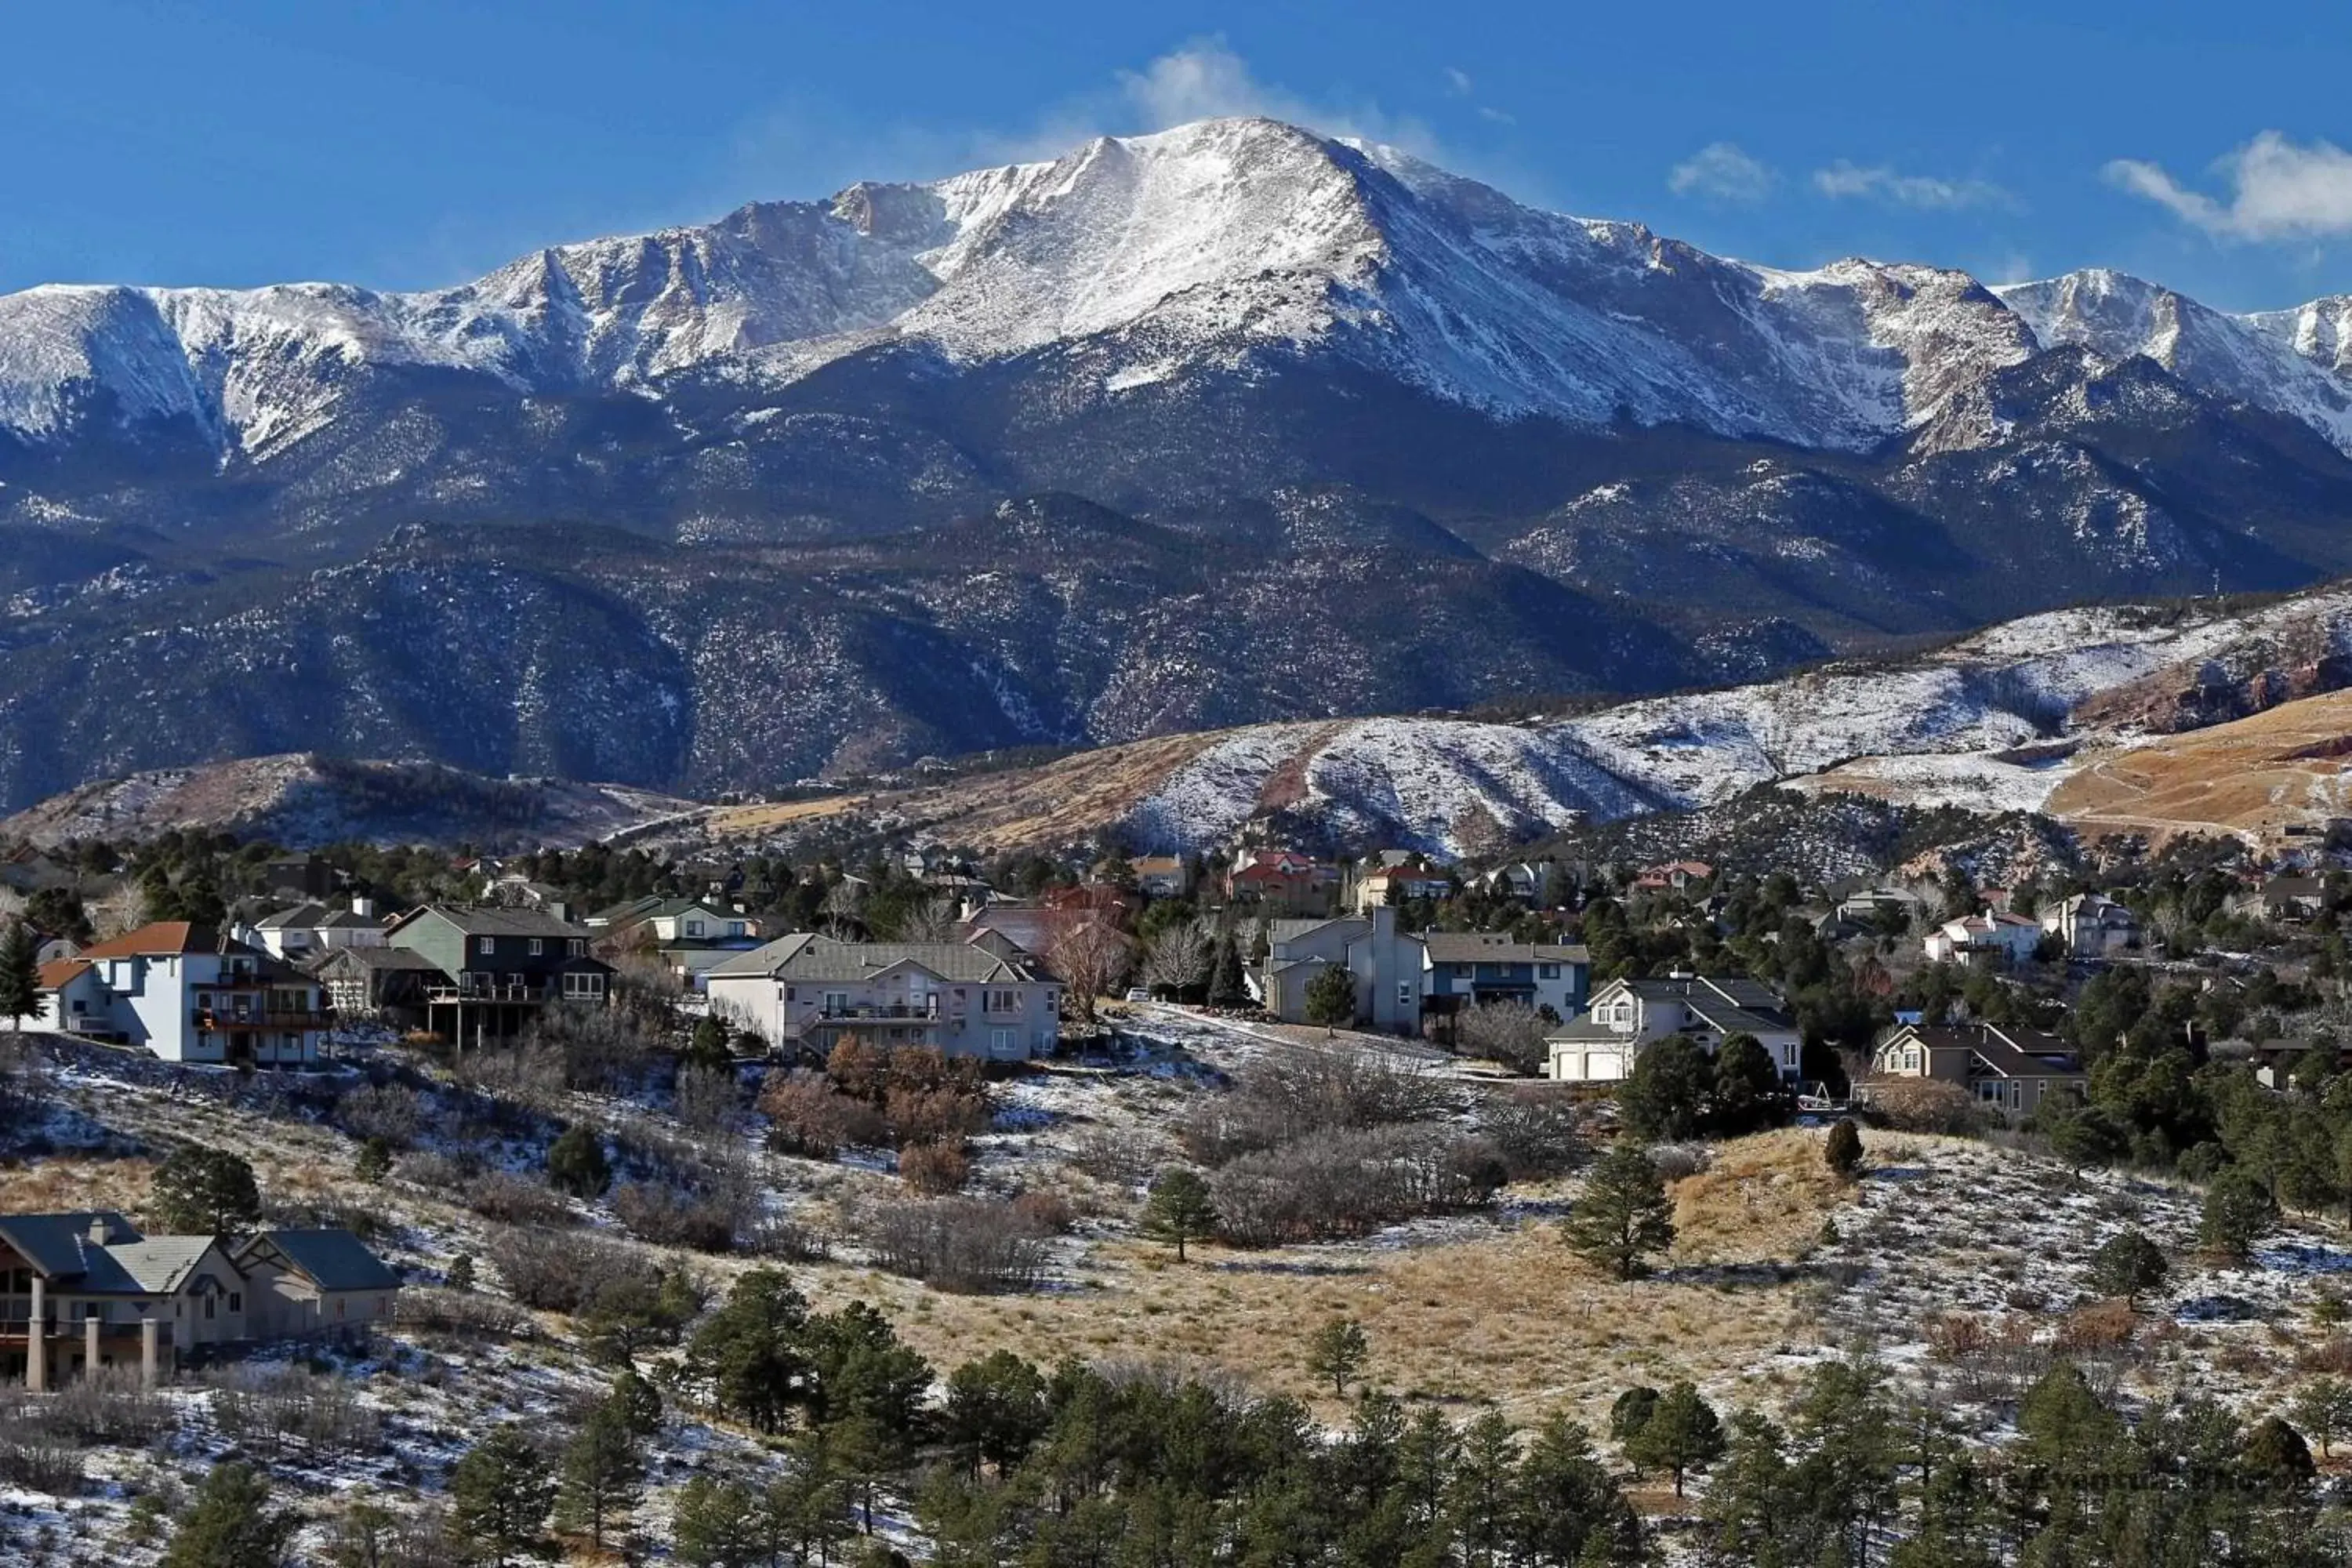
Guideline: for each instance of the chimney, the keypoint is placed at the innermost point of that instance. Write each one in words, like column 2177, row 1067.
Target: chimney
column 99, row 1231
column 363, row 906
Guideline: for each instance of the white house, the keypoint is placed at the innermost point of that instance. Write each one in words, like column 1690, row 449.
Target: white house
column 2092, row 925
column 190, row 994
column 309, row 929
column 1603, row 1046
column 1387, row 967
column 1992, row 937
column 806, row 991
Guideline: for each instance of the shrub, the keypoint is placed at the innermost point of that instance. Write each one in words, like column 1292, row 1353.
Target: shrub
column 456, row 1312
column 1511, row 1033
column 1049, row 1213
column 110, row 1407
column 934, row 1170
column 968, row 1245
column 709, row 1098
column 576, row 1162
column 1924, row 1105
column 1275, row 1102
column 555, row 1270
column 511, row 1200
column 393, row 1112
column 1347, row 1181
column 808, row 1115
column 1539, row 1131
column 1842, row 1150
column 668, row 1215
column 270, row 1410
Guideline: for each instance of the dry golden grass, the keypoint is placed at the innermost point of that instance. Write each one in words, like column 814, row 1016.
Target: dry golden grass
column 2252, row 776
column 65, row 1184
column 738, row 819
column 1507, row 1315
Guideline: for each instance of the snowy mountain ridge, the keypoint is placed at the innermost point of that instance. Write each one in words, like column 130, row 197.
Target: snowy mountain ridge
column 1169, row 253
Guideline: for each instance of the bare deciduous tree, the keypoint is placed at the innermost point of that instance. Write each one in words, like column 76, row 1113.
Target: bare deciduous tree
column 1090, row 956
column 1511, row 1033
column 1180, row 958
column 930, row 919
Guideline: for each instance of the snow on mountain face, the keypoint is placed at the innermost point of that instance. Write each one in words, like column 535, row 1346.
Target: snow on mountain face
column 2296, row 363
column 1440, row 784
column 1187, row 248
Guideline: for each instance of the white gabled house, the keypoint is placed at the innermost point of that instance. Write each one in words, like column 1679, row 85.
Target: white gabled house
column 804, row 992
column 188, row 993
column 1993, row 937
column 1627, row 1016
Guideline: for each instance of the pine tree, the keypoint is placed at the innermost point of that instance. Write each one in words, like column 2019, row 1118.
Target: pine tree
column 2238, row 1212
column 2128, row 1265
column 1331, row 998
column 2276, row 1456
column 205, row 1191
column 604, row 1466
column 708, row 1047
column 638, row 1403
column 752, row 1353
column 718, row 1524
column 20, row 977
column 1842, row 1150
column 1683, row 1434
column 1665, row 1098
column 231, row 1524
column 1179, row 1208
column 1228, row 987
column 2323, row 1409
column 1624, row 1214
column 500, row 1494
column 1338, row 1351
column 576, row 1164
column 374, row 1162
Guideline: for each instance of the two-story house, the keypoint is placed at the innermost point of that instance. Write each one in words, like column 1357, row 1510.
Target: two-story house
column 499, row 968
column 1626, row 1015
column 804, row 992
column 188, row 993
column 1993, row 938
column 2011, row 1069
column 1386, row 964
column 1466, row 969
column 689, row 936
column 2092, row 925
column 1390, row 885
column 309, row 930
column 85, row 1290
column 1161, row 876
column 1282, row 882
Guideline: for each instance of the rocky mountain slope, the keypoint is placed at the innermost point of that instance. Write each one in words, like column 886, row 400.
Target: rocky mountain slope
column 1992, row 723
column 1229, row 424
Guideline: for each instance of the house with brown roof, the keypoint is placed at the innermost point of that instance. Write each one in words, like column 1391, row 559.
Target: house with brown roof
column 1282, row 882
column 190, row 994
column 805, row 993
column 2009, row 1068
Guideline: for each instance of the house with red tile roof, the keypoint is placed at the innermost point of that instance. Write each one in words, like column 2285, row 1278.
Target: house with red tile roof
column 189, row 993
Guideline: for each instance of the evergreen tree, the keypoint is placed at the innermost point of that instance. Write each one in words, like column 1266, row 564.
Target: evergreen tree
column 205, row 1191
column 576, row 1162
column 1631, row 1412
column 750, row 1354
column 1683, row 1434
column 1748, row 1095
column 374, row 1162
column 1179, row 1208
column 500, row 1494
column 1842, row 1150
column 1338, row 1351
column 708, row 1049
column 1624, row 1214
column 995, row 1411
column 638, row 1403
column 2238, row 1212
column 1227, row 988
column 2078, row 1135
column 20, row 977
column 2128, row 1265
column 1665, row 1098
column 230, row 1524
column 1331, row 998
column 2276, row 1456
column 604, row 1466
column 1570, row 1509
column 717, row 1523
column 2323, row 1407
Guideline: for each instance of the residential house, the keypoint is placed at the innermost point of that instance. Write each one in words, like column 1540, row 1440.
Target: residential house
column 72, row 999
column 1529, row 881
column 1993, row 938
column 55, row 949
column 1025, row 927
column 305, row 932
column 1282, row 882
column 688, row 935
column 499, row 968
column 1473, row 968
column 1163, row 876
column 1387, row 967
column 189, row 993
column 1627, row 1016
column 85, row 1290
column 805, row 993
column 1881, row 907
column 2011, row 1069
column 2092, row 925
column 312, row 1284
column 383, row 983
column 1393, row 885
column 2294, row 898
column 1675, row 875
column 299, row 876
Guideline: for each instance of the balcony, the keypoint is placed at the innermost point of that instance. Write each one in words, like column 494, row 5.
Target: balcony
column 211, row 1018
column 879, row 1011
column 450, row 994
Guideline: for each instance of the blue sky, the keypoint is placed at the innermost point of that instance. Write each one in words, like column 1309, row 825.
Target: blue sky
column 421, row 142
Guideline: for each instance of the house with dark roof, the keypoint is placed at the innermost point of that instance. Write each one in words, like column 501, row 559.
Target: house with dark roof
column 499, row 968
column 687, row 936
column 85, row 1290
column 308, row 1284
column 805, row 993
column 301, row 932
column 387, row 984
column 2011, row 1069
column 1628, row 1016
column 1472, row 968
column 1385, row 965
column 190, row 994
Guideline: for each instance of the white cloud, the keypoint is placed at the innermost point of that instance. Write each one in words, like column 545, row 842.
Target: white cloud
column 1721, row 172
column 1205, row 80
column 1845, row 180
column 1458, row 80
column 1500, row 117
column 2278, row 190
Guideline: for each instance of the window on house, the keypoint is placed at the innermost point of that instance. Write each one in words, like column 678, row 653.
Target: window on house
column 537, row 947
column 1547, row 971
column 577, row 947
column 1404, row 993
column 836, row 1001
column 1001, row 1042
column 694, row 927
column 1001, row 1002
column 489, row 944
column 236, row 1300
column 583, row 986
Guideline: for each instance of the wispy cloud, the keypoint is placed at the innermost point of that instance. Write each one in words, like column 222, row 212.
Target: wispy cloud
column 2278, row 190
column 1458, row 81
column 1845, row 180
column 1205, row 80
column 1720, row 171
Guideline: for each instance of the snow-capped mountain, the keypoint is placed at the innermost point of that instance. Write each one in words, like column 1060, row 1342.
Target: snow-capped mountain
column 1229, row 424
column 1169, row 253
